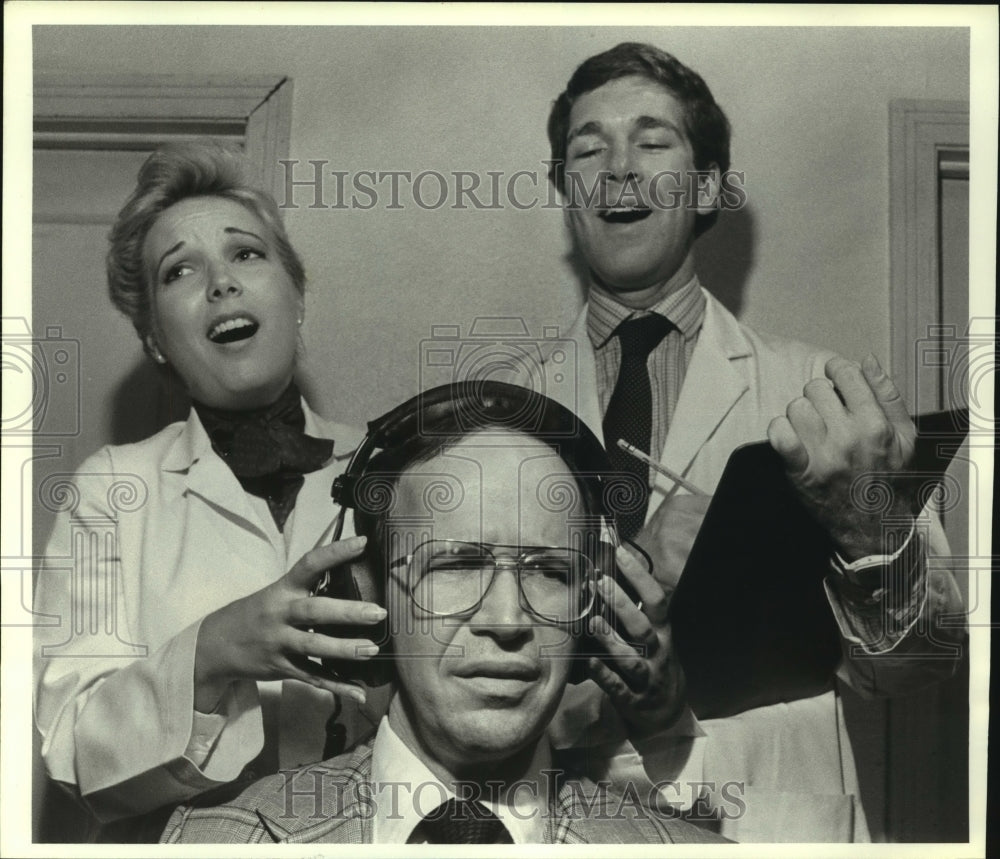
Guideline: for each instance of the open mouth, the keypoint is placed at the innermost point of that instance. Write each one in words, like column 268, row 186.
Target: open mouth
column 624, row 215
column 233, row 330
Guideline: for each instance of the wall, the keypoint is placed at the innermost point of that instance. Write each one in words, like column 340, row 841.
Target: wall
column 807, row 258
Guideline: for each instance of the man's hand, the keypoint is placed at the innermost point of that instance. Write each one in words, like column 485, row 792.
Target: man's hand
column 643, row 679
column 852, row 423
column 669, row 535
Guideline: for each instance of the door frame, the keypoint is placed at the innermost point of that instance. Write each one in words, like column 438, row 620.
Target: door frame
column 103, row 112
column 142, row 112
column 928, row 141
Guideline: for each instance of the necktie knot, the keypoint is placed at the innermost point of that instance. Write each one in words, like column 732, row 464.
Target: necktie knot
column 641, row 335
column 461, row 821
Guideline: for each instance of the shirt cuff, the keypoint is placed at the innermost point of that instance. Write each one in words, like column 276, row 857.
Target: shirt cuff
column 223, row 741
column 856, row 570
column 877, row 600
column 206, row 728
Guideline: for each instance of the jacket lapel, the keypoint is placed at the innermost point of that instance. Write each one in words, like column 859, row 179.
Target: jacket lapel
column 344, row 816
column 715, row 381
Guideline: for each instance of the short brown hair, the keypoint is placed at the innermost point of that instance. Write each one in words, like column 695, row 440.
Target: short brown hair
column 704, row 122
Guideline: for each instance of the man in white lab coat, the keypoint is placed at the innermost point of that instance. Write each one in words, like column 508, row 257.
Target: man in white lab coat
column 640, row 152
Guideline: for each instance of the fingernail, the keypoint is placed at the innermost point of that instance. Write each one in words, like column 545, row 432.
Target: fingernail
column 373, row 612
column 358, row 543
column 358, row 695
column 366, row 650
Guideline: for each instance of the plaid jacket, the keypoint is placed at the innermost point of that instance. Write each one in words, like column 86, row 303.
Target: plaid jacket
column 333, row 802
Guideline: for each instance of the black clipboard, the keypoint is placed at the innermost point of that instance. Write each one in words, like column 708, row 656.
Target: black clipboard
column 751, row 621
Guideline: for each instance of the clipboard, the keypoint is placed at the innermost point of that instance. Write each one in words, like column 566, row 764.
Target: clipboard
column 751, row 622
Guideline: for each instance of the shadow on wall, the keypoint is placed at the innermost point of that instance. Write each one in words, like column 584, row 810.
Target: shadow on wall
column 724, row 258
column 146, row 401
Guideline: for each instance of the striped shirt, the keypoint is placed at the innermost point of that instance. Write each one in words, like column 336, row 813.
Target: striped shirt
column 668, row 362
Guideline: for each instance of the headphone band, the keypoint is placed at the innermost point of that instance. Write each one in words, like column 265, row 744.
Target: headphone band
column 460, row 408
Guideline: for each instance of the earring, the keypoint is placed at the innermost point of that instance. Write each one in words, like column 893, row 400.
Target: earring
column 298, row 321
column 158, row 356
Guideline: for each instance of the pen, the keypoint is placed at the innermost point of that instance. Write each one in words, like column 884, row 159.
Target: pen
column 666, row 472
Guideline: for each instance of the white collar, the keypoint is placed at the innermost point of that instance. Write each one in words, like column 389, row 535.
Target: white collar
column 404, row 790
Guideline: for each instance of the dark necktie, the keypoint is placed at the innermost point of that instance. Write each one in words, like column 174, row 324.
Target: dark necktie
column 630, row 415
column 461, row 821
column 267, row 449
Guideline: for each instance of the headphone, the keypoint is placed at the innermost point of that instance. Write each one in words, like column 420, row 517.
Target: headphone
column 449, row 411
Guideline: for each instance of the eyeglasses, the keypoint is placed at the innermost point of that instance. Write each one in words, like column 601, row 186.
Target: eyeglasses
column 449, row 577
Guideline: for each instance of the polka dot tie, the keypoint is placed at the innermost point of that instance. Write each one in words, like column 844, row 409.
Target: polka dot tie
column 461, row 821
column 630, row 416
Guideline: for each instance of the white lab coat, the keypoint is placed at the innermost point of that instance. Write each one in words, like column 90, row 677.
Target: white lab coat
column 152, row 537
column 793, row 761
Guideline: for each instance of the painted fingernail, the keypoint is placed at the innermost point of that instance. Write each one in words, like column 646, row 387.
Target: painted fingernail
column 366, row 650
column 373, row 613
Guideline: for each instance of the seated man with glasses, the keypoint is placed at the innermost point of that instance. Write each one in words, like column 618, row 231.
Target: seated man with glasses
column 485, row 518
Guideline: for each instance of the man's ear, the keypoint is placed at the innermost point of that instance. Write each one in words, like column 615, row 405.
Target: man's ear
column 709, row 189
column 154, row 349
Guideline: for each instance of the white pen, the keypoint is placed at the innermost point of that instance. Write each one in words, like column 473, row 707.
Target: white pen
column 666, row 472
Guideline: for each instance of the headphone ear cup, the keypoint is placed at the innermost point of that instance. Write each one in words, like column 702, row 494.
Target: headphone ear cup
column 356, row 580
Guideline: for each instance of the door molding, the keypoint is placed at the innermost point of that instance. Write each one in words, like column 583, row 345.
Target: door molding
column 928, row 141
column 143, row 112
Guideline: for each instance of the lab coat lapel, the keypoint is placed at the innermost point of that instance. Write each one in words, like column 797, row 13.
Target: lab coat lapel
column 314, row 508
column 204, row 474
column 716, row 379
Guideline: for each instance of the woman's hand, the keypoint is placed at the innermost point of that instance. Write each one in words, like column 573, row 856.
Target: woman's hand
column 265, row 636
column 641, row 676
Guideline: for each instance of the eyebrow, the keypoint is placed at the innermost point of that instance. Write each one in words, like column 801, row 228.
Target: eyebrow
column 243, row 233
column 229, row 230
column 176, row 247
column 643, row 123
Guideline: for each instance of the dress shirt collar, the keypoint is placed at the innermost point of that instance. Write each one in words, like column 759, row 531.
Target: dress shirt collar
column 684, row 307
column 403, row 787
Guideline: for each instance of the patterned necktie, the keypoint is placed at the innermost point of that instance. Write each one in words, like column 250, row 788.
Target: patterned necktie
column 630, row 414
column 461, row 821
column 267, row 449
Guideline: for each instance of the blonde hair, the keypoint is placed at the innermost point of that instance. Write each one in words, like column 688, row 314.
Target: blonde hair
column 173, row 173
